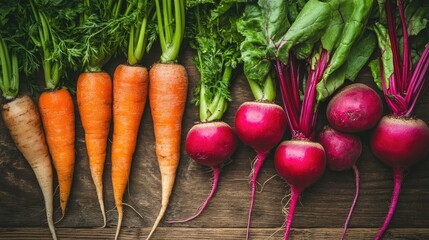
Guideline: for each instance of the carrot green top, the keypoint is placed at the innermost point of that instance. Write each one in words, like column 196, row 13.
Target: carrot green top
column 100, row 32
column 51, row 30
column 142, row 30
column 171, row 26
column 213, row 34
column 16, row 54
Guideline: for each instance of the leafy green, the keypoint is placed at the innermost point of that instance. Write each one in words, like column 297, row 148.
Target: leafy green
column 263, row 26
column 51, row 28
column 214, row 37
column 348, row 25
column 16, row 52
column 307, row 29
column 359, row 55
column 386, row 55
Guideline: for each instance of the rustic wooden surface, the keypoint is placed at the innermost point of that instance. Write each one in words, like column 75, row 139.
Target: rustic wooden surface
column 320, row 215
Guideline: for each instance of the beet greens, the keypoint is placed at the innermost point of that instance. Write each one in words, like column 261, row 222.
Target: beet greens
column 401, row 72
column 327, row 42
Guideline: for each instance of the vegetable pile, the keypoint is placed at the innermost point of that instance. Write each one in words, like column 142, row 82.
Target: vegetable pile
column 305, row 50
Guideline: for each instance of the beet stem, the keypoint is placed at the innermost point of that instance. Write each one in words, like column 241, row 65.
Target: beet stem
column 216, row 171
column 346, row 224
column 398, row 175
column 294, row 200
column 258, row 164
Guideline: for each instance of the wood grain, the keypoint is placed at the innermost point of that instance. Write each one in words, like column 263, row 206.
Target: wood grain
column 171, row 233
column 320, row 215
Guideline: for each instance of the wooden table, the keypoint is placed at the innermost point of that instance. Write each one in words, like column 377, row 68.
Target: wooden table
column 320, row 215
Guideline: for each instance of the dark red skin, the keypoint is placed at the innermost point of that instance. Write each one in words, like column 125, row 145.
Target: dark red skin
column 355, row 108
column 342, row 149
column 210, row 143
column 260, row 125
column 300, row 163
column 400, row 142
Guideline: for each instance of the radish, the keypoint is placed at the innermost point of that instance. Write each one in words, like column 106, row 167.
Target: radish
column 220, row 145
column 400, row 139
column 323, row 33
column 211, row 141
column 260, row 125
column 342, row 152
column 300, row 163
column 355, row 108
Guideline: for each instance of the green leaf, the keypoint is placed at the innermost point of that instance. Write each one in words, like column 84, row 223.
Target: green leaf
column 254, row 47
column 417, row 17
column 307, row 28
column 386, row 52
column 216, row 40
column 359, row 54
column 374, row 65
column 355, row 14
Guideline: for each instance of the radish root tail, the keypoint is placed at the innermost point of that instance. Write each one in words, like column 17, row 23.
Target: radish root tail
column 398, row 175
column 216, row 171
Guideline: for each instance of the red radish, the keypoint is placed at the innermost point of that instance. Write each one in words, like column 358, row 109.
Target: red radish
column 400, row 140
column 342, row 149
column 399, row 143
column 300, row 163
column 305, row 36
column 355, row 108
column 260, row 125
column 209, row 144
column 342, row 152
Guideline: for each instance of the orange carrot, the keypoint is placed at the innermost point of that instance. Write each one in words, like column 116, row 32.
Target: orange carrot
column 56, row 109
column 94, row 99
column 167, row 96
column 130, row 87
column 23, row 121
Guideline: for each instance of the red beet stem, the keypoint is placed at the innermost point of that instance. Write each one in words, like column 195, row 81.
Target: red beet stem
column 293, row 201
column 258, row 164
column 216, row 171
column 346, row 224
column 398, row 175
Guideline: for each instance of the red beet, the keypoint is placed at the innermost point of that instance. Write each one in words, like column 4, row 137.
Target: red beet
column 210, row 144
column 300, row 163
column 342, row 152
column 355, row 108
column 399, row 142
column 260, row 125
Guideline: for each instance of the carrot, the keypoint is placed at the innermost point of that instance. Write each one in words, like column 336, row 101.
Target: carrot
column 94, row 99
column 167, row 96
column 23, row 121
column 54, row 40
column 130, row 88
column 56, row 109
column 168, row 88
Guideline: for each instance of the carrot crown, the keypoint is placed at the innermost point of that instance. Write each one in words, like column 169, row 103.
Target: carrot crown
column 15, row 50
column 142, row 30
column 213, row 34
column 51, row 30
column 102, row 29
column 171, row 26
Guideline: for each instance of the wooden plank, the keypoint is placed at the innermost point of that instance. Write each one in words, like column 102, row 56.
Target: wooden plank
column 168, row 233
column 323, row 206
